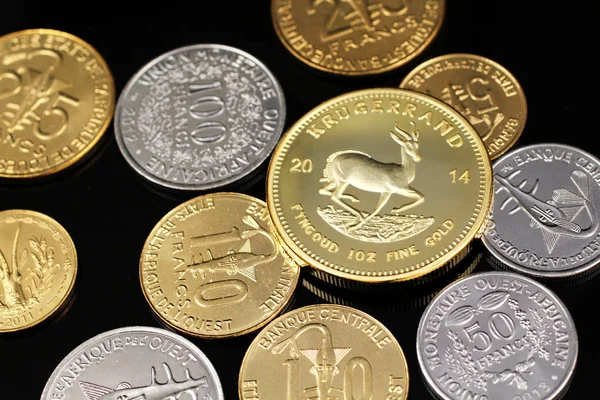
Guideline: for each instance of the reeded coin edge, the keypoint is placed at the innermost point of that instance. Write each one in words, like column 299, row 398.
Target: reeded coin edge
column 195, row 187
column 139, row 329
column 410, row 272
column 68, row 292
column 389, row 67
column 283, row 304
column 569, row 273
column 522, row 98
column 343, row 308
column 109, row 114
column 430, row 381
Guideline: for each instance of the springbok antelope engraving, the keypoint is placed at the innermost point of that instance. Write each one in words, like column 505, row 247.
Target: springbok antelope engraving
column 358, row 169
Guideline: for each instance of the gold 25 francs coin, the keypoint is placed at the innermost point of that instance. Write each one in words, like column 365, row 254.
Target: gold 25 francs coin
column 380, row 185
column 356, row 37
column 482, row 90
column 213, row 268
column 38, row 266
column 324, row 351
column 57, row 98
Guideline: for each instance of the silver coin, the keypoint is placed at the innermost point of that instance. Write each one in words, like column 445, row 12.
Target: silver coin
column 135, row 363
column 199, row 117
column 497, row 336
column 545, row 220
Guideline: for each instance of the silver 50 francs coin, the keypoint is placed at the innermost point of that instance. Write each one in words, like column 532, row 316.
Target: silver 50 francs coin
column 199, row 117
column 497, row 336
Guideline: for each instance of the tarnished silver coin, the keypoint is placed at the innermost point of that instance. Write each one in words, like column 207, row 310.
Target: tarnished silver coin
column 546, row 212
column 199, row 117
column 135, row 363
column 497, row 336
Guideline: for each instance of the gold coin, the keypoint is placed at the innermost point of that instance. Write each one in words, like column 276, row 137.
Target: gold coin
column 57, row 98
column 482, row 90
column 38, row 266
column 213, row 268
column 324, row 351
column 380, row 185
column 356, row 37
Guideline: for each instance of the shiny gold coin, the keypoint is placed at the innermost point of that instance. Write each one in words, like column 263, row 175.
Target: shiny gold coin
column 213, row 268
column 357, row 37
column 324, row 351
column 380, row 185
column 38, row 266
column 57, row 98
column 481, row 90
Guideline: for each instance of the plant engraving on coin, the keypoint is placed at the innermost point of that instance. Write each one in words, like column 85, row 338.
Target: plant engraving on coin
column 545, row 216
column 157, row 390
column 358, row 169
column 495, row 336
column 200, row 116
column 36, row 268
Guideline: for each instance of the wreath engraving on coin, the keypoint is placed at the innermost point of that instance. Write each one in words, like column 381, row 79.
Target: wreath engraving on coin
column 360, row 170
column 199, row 117
column 497, row 335
column 545, row 215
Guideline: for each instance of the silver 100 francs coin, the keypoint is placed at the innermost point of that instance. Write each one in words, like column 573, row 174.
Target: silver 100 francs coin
column 497, row 336
column 199, row 117
column 545, row 220
column 135, row 363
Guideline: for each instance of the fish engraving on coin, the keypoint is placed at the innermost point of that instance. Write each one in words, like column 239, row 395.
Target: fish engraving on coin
column 323, row 352
column 57, row 98
column 38, row 267
column 488, row 95
column 546, row 212
column 395, row 207
column 199, row 117
column 135, row 363
column 213, row 268
column 496, row 336
column 357, row 37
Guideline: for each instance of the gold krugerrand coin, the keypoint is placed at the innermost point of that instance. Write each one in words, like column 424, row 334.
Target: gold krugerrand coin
column 482, row 90
column 324, row 351
column 380, row 185
column 57, row 98
column 213, row 268
column 357, row 37
column 38, row 266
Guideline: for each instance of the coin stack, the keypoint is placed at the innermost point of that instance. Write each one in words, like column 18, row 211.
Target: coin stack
column 376, row 189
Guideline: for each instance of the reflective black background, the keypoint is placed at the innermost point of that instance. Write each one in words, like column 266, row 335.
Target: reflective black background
column 109, row 210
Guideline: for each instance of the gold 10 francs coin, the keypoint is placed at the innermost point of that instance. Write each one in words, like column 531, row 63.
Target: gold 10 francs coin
column 356, row 37
column 380, row 185
column 38, row 266
column 482, row 90
column 213, row 268
column 324, row 351
column 56, row 100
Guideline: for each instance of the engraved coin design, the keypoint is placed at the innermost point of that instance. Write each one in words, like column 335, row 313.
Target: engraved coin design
column 482, row 90
column 57, row 98
column 213, row 268
column 38, row 266
column 199, row 117
column 324, row 351
column 357, row 37
column 380, row 185
column 546, row 213
column 495, row 336
column 135, row 363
